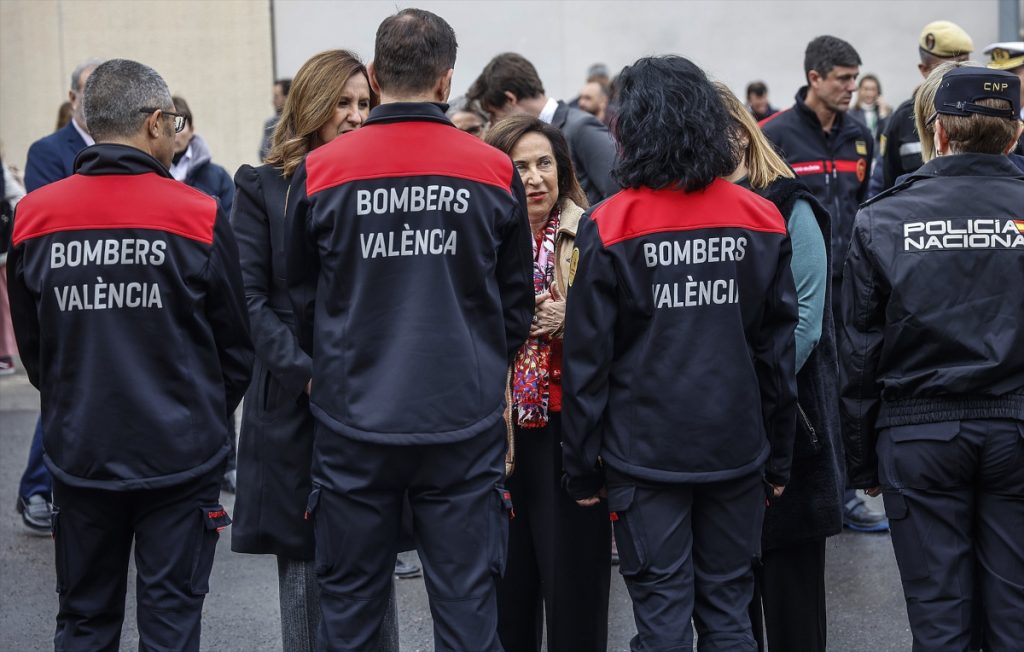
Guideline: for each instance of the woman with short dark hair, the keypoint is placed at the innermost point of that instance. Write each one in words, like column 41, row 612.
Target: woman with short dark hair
column 558, row 552
column 679, row 381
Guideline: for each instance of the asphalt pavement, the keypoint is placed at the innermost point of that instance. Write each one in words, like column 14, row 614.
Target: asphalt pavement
column 865, row 603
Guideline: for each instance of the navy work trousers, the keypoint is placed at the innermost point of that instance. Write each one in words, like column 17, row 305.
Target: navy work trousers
column 954, row 495
column 460, row 517
column 688, row 550
column 175, row 531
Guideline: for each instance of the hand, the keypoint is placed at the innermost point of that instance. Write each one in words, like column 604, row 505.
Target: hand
column 548, row 315
column 874, row 492
column 777, row 490
column 593, row 500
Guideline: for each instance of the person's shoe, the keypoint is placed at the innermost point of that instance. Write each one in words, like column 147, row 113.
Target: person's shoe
column 35, row 513
column 6, row 365
column 859, row 517
column 405, row 570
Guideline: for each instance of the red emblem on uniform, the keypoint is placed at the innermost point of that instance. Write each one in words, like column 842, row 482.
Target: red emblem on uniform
column 862, row 169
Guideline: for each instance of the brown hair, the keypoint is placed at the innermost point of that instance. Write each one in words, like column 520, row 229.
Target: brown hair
column 505, row 134
column 315, row 92
column 181, row 106
column 764, row 165
column 506, row 72
column 981, row 134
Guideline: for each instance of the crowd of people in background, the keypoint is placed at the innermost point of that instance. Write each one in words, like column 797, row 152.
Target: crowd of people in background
column 721, row 320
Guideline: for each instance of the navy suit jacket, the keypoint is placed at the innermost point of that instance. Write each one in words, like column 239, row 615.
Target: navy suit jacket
column 52, row 158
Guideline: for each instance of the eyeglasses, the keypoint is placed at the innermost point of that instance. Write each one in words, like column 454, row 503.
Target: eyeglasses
column 179, row 118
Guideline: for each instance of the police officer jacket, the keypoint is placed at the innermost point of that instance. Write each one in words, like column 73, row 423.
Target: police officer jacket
column 900, row 145
column 933, row 307
column 410, row 269
column 128, row 307
column 679, row 359
column 834, row 166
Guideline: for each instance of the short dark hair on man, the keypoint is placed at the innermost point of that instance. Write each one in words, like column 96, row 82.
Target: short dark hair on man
column 414, row 47
column 115, row 94
column 285, row 84
column 672, row 127
column 758, row 88
column 825, row 53
column 506, row 72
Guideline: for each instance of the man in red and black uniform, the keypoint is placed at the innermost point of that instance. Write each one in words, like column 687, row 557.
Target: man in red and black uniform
column 410, row 270
column 121, row 262
column 832, row 154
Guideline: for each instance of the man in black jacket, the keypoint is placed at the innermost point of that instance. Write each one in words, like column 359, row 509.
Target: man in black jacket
column 410, row 270
column 940, row 41
column 831, row 153
column 933, row 367
column 510, row 84
column 121, row 262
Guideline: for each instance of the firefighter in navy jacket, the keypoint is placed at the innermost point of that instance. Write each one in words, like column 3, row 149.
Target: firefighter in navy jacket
column 933, row 367
column 130, row 317
column 410, row 270
column 680, row 362
column 829, row 150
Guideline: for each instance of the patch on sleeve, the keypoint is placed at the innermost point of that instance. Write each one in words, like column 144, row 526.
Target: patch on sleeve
column 573, row 264
column 862, row 147
column 882, row 142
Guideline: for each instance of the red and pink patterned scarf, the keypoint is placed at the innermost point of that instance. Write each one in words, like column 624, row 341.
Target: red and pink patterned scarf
column 530, row 379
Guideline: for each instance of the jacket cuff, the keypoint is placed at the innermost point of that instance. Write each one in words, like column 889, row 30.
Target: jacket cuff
column 585, row 486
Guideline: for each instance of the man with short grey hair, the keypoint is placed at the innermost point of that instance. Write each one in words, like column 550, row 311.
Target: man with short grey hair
column 120, row 261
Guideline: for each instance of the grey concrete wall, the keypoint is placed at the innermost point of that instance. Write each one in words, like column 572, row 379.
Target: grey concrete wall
column 216, row 54
column 734, row 40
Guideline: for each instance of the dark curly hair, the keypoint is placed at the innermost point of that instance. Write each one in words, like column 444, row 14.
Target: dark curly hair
column 671, row 126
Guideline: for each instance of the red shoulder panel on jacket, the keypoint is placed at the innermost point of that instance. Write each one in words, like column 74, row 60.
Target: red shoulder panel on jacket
column 762, row 123
column 137, row 201
column 427, row 149
column 722, row 205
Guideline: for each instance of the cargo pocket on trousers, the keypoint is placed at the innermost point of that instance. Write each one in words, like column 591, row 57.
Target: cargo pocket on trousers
column 214, row 519
column 628, row 528
column 498, row 538
column 59, row 549
column 906, row 541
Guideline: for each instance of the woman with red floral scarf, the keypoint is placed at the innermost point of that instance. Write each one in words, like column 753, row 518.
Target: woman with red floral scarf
column 558, row 552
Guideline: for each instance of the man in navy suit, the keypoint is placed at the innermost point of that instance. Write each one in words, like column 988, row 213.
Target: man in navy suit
column 50, row 159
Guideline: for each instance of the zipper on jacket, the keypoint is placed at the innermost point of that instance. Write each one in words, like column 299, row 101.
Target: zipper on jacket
column 807, row 424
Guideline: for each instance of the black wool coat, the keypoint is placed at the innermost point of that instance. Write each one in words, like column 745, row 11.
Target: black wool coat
column 811, row 506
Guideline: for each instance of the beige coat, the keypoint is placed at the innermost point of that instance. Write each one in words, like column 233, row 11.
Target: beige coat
column 565, row 241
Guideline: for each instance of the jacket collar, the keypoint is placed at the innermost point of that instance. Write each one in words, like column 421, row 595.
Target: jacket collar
column 409, row 111
column 569, row 219
column 969, row 165
column 561, row 115
column 110, row 158
column 807, row 113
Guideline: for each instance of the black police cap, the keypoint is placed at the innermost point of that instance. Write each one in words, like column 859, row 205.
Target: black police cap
column 962, row 87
